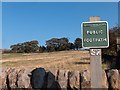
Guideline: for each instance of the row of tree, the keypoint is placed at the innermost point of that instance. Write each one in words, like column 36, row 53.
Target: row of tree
column 60, row 44
column 54, row 44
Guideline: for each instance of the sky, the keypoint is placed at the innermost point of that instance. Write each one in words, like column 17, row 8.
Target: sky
column 26, row 21
column 119, row 13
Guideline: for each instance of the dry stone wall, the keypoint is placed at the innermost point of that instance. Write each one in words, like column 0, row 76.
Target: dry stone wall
column 42, row 79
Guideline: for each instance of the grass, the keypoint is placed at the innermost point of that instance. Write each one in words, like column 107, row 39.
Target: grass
column 69, row 60
column 11, row 55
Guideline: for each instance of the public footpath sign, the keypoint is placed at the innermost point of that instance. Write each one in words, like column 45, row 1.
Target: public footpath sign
column 95, row 34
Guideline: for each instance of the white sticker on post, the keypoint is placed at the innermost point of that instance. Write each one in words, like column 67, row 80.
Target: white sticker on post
column 95, row 52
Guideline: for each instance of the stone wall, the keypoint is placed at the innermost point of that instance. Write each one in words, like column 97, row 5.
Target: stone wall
column 12, row 78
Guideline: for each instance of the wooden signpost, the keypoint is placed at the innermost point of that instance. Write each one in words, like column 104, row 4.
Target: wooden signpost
column 95, row 36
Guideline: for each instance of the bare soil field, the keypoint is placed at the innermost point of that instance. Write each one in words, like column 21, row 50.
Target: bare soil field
column 67, row 60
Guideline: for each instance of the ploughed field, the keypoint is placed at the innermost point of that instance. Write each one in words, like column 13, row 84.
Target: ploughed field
column 67, row 60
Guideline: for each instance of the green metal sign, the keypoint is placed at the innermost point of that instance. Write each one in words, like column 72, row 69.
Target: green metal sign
column 95, row 34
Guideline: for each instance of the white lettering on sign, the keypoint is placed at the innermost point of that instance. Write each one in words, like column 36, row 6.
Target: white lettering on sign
column 94, row 32
column 95, row 40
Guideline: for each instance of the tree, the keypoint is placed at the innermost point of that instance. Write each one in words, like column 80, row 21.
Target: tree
column 57, row 44
column 17, row 48
column 78, row 43
column 26, row 47
column 64, row 40
column 71, row 46
column 42, row 49
column 34, row 46
column 111, row 51
column 13, row 48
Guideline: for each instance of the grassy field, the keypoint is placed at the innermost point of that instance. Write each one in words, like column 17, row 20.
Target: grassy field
column 71, row 60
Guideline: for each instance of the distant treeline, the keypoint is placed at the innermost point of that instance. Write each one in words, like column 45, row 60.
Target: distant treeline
column 61, row 44
column 54, row 44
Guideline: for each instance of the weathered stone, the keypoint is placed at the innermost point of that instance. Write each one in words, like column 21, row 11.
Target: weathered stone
column 57, row 79
column 113, row 76
column 85, row 79
column 119, row 81
column 104, row 80
column 50, row 80
column 0, row 78
column 38, row 78
column 12, row 77
column 56, row 86
column 3, row 76
column 54, row 72
column 23, row 80
column 74, row 79
column 63, row 78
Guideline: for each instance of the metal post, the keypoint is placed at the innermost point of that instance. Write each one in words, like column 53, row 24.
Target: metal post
column 95, row 63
